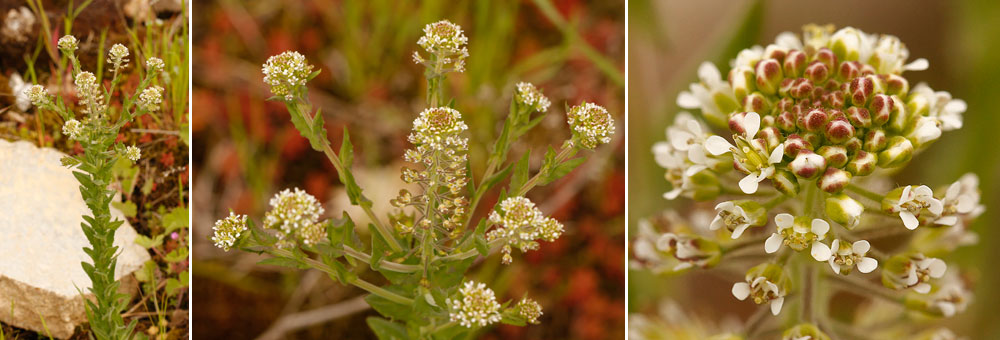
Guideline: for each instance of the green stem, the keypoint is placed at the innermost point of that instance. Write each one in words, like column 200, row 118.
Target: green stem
column 865, row 192
column 387, row 265
column 358, row 282
column 471, row 252
column 531, row 183
column 380, row 227
column 865, row 287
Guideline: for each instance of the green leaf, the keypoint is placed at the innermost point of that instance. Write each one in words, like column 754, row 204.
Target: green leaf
column 174, row 284
column 178, row 255
column 69, row 161
column 127, row 208
column 561, row 170
column 379, row 248
column 385, row 329
column 185, row 134
column 283, row 262
column 177, row 218
column 489, row 183
column 389, row 309
column 318, row 131
column 521, row 171
column 481, row 245
column 147, row 242
column 346, row 150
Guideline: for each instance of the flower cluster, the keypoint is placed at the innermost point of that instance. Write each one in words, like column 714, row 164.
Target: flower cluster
column 89, row 92
column 519, row 224
column 441, row 150
column 591, row 125
column 228, row 230
column 294, row 213
column 68, row 44
column 154, row 64
column 72, row 128
column 38, row 95
column 817, row 124
column 133, row 153
column 474, row 306
column 287, row 73
column 117, row 55
column 531, row 97
column 529, row 309
column 445, row 44
column 151, row 98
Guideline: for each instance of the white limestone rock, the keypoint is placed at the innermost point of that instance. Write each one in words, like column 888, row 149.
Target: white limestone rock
column 41, row 241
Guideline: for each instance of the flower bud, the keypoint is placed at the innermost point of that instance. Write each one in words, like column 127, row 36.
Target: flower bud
column 785, row 121
column 795, row 63
column 741, row 79
column 827, row 57
column 807, row 164
column 845, row 210
column 863, row 164
column 834, row 99
column 861, row 90
column 875, row 140
column 853, row 145
column 813, row 138
column 794, row 144
column 897, row 153
column 834, row 180
column 835, row 155
column 881, row 109
column 896, row 85
column 859, row 117
column 817, row 72
column 814, row 120
column 770, row 134
column 690, row 250
column 757, row 102
column 768, row 76
column 849, row 70
column 899, row 116
column 804, row 331
column 839, row 130
column 785, row 182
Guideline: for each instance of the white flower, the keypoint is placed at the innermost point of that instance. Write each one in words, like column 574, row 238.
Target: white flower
column 689, row 250
column 707, row 94
column 151, row 98
column 286, row 73
column 530, row 96
column 911, row 201
column 794, row 233
column 951, row 298
column 117, row 54
column 292, row 211
column 132, row 153
column 756, row 170
column 927, row 130
column 475, row 306
column 735, row 218
column 683, row 154
column 228, row 230
column 923, row 268
column 846, row 256
column 961, row 199
column 72, row 128
column 591, row 124
column 765, row 283
column 939, row 105
column 853, row 44
column 520, row 224
column 890, row 54
column 154, row 64
column 68, row 43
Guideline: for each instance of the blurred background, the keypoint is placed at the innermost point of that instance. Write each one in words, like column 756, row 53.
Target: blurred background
column 247, row 149
column 669, row 39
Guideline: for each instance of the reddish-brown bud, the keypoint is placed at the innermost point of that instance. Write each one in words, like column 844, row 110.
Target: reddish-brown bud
column 834, row 180
column 839, row 130
column 863, row 164
column 859, row 117
column 861, row 89
column 817, row 72
column 795, row 62
column 849, row 70
column 896, row 85
column 807, row 164
column 768, row 76
column 826, row 56
column 881, row 109
column 756, row 102
column 835, row 155
column 814, row 120
column 875, row 141
column 794, row 144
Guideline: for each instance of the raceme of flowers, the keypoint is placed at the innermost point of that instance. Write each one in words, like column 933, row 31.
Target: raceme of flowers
column 441, row 151
column 295, row 215
column 445, row 44
column 286, row 73
column 815, row 121
column 520, row 224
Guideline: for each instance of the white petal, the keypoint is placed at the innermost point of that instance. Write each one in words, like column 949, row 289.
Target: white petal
column 749, row 183
column 956, row 106
column 867, row 265
column 687, row 100
column 679, row 139
column 922, row 288
column 947, row 308
column 776, row 305
column 953, row 191
column 751, row 124
column 820, row 251
column 694, row 169
column 905, row 195
column 836, row 267
column 784, row 220
column 937, row 268
column 739, row 230
column 777, row 154
column 820, row 227
column 716, row 223
column 861, row 247
column 672, row 194
column 717, row 145
column 773, row 243
column 682, row 266
column 697, row 154
column 741, row 290
column 708, row 73
column 917, row 65
column 947, row 220
column 909, row 220
column 935, row 206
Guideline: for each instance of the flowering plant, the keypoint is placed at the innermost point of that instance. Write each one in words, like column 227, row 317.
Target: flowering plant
column 96, row 133
column 425, row 247
column 818, row 125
